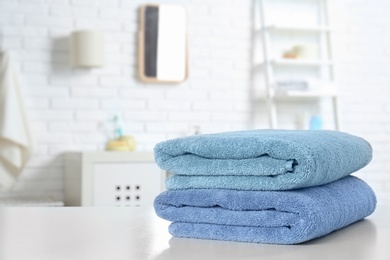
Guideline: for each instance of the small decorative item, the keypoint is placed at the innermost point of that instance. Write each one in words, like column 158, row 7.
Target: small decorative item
column 130, row 142
column 304, row 51
column 289, row 54
column 124, row 143
column 315, row 123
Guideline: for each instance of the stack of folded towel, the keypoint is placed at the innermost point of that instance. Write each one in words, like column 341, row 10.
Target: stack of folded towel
column 263, row 186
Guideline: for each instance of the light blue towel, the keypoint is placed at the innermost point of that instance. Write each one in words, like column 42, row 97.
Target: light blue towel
column 262, row 159
column 275, row 217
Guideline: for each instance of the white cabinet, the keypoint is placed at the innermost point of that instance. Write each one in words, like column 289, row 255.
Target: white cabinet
column 293, row 61
column 111, row 179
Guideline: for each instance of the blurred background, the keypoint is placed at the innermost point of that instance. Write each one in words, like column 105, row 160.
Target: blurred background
column 290, row 64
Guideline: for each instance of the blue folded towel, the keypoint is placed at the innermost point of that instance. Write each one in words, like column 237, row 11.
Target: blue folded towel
column 262, row 159
column 275, row 217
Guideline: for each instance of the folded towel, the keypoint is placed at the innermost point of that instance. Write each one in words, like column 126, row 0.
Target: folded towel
column 281, row 159
column 275, row 217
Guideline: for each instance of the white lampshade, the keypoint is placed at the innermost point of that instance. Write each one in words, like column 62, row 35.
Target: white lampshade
column 87, row 49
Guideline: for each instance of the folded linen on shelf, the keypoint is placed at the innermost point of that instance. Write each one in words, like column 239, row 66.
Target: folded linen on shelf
column 292, row 85
column 262, row 159
column 276, row 217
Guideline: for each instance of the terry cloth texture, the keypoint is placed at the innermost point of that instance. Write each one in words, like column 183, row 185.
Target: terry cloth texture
column 275, row 217
column 262, row 159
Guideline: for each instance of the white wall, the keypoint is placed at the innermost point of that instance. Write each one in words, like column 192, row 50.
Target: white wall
column 362, row 53
column 66, row 106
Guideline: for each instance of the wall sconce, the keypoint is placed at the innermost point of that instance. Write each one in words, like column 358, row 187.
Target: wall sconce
column 87, row 49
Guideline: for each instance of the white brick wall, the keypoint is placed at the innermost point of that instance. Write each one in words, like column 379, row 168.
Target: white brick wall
column 361, row 39
column 67, row 107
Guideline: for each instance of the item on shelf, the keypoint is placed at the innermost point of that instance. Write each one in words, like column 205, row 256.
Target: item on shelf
column 306, row 51
column 292, row 85
column 289, row 54
column 315, row 123
column 118, row 126
column 120, row 142
column 123, row 143
column 313, row 86
column 131, row 143
column 115, row 145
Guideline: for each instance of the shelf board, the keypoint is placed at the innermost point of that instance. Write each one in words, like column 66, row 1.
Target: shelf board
column 300, row 94
column 296, row 62
column 306, row 94
column 298, row 28
column 301, row 62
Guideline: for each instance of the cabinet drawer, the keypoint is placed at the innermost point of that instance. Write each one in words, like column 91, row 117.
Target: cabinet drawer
column 126, row 184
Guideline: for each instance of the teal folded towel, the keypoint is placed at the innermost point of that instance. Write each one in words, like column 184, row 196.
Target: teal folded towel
column 276, row 217
column 262, row 159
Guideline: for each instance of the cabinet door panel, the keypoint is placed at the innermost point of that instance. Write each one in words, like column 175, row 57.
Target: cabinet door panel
column 125, row 184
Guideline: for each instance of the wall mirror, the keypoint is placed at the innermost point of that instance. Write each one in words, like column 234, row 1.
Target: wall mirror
column 163, row 45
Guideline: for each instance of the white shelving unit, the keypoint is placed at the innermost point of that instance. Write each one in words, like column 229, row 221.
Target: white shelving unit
column 264, row 31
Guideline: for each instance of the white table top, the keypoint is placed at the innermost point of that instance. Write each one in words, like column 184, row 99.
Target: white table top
column 136, row 233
